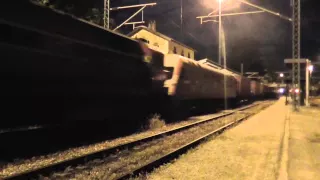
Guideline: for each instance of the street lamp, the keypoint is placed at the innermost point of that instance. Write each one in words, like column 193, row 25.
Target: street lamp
column 224, row 61
column 310, row 68
column 280, row 84
column 282, row 78
column 220, row 29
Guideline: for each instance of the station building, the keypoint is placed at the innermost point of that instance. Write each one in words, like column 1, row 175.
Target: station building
column 161, row 42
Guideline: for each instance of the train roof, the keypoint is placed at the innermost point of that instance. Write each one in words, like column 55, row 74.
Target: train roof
column 212, row 64
column 136, row 30
column 46, row 20
column 199, row 64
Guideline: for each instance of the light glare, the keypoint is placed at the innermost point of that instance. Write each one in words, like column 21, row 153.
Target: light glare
column 226, row 5
column 281, row 90
column 310, row 68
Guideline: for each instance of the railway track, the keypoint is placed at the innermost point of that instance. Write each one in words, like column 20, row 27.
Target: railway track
column 148, row 167
column 60, row 166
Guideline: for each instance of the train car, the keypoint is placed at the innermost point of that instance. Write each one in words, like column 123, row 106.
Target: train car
column 194, row 85
column 270, row 92
column 243, row 87
column 261, row 89
column 255, row 88
column 56, row 68
column 191, row 80
column 243, row 83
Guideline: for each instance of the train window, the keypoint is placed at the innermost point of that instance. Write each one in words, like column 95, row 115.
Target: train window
column 188, row 55
column 174, row 50
column 182, row 53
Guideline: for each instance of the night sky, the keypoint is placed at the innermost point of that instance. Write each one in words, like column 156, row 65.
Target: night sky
column 260, row 41
column 251, row 39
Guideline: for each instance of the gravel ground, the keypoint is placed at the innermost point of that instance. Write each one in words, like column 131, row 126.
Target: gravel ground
column 248, row 151
column 304, row 145
column 125, row 161
column 40, row 161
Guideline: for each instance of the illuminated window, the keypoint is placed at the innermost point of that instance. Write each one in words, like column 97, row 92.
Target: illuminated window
column 174, row 50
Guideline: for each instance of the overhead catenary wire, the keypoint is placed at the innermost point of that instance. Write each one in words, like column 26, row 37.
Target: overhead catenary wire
column 266, row 10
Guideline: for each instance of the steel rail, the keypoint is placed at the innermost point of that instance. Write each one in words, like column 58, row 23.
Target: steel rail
column 178, row 151
column 60, row 166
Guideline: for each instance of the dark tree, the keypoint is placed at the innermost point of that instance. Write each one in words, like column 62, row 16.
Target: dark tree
column 80, row 8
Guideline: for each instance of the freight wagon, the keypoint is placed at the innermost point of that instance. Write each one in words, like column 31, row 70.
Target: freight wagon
column 56, row 68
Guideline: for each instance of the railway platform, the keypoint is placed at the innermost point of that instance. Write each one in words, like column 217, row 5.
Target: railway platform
column 273, row 144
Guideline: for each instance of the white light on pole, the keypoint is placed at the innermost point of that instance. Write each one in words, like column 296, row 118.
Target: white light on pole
column 220, row 53
column 220, row 29
column 310, row 68
column 281, row 75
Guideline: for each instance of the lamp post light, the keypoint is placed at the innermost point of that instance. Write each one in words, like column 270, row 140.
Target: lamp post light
column 220, row 32
column 309, row 69
column 282, row 78
column 220, row 55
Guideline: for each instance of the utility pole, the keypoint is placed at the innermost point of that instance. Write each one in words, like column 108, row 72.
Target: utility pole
column 242, row 69
column 223, row 49
column 307, row 82
column 220, row 25
column 181, row 19
column 106, row 14
column 296, row 52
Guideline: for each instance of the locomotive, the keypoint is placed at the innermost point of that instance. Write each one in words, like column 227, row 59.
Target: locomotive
column 199, row 86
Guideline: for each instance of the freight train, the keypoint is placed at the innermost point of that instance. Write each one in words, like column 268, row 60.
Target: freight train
column 57, row 68
column 199, row 85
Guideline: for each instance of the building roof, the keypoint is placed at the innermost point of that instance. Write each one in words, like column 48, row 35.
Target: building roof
column 136, row 30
